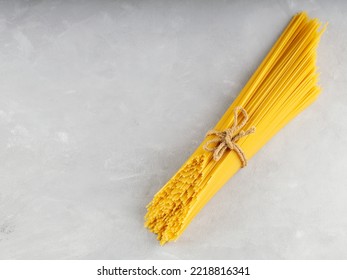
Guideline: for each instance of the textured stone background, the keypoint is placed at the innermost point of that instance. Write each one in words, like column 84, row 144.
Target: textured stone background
column 102, row 101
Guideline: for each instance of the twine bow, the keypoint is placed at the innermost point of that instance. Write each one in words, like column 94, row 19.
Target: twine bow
column 227, row 139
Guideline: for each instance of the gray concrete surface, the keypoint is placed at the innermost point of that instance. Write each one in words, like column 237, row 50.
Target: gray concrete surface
column 102, row 101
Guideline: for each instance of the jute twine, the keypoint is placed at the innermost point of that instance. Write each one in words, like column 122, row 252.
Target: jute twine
column 227, row 139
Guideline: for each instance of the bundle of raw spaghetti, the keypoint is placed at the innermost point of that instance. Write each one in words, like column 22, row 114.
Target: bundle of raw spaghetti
column 284, row 84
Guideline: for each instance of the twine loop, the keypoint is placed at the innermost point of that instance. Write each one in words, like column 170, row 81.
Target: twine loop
column 227, row 139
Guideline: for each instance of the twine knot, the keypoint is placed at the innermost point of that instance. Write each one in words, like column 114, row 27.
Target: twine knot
column 227, row 139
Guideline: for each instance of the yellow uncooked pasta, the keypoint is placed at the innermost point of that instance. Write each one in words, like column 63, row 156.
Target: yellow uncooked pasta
column 284, row 84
